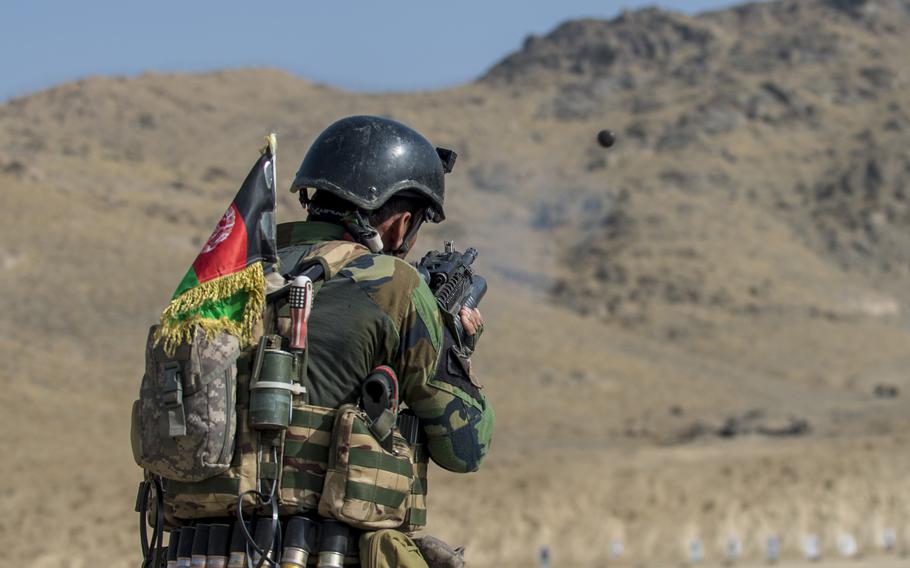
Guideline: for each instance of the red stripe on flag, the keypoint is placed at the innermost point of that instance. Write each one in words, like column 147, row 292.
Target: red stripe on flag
column 225, row 251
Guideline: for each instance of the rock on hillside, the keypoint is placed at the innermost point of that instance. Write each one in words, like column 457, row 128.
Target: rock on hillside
column 651, row 40
column 779, row 117
column 860, row 209
column 656, row 41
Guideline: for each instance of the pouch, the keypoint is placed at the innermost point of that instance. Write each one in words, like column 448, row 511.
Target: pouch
column 366, row 486
column 305, row 458
column 389, row 549
column 218, row 496
column 185, row 422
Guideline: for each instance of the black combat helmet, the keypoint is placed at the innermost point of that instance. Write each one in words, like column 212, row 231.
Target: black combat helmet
column 365, row 160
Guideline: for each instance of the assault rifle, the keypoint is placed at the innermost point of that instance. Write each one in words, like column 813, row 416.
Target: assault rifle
column 453, row 281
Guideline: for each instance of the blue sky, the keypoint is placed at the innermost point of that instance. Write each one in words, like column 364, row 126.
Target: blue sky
column 357, row 45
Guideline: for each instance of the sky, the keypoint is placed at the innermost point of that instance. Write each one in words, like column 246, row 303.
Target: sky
column 361, row 45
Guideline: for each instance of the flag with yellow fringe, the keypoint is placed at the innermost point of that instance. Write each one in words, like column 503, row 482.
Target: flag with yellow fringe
column 224, row 289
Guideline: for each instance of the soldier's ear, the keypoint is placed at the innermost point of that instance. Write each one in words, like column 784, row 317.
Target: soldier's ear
column 394, row 229
column 401, row 224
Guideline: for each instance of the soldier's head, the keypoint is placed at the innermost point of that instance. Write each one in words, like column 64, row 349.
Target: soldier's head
column 371, row 173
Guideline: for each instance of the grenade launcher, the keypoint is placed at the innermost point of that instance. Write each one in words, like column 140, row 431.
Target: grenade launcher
column 453, row 281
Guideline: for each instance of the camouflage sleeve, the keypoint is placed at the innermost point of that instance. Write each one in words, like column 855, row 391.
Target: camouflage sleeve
column 455, row 415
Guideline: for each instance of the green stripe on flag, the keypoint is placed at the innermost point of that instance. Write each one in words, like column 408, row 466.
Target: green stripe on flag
column 189, row 281
column 231, row 308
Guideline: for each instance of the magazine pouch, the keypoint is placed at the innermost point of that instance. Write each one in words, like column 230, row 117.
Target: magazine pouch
column 366, row 485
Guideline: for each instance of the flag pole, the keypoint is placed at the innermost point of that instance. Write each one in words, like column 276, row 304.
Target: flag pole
column 272, row 148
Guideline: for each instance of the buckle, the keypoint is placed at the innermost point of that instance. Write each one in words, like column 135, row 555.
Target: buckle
column 173, row 385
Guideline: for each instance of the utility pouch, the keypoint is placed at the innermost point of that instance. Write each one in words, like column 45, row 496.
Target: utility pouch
column 366, row 486
column 218, row 496
column 305, row 458
column 389, row 549
column 184, row 423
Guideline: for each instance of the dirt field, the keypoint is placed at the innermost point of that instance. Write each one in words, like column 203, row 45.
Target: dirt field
column 700, row 333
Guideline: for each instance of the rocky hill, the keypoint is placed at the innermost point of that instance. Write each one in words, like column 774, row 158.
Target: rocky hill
column 787, row 114
column 704, row 326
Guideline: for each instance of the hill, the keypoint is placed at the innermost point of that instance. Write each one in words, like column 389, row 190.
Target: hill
column 699, row 332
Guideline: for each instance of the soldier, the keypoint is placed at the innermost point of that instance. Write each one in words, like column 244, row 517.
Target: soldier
column 376, row 182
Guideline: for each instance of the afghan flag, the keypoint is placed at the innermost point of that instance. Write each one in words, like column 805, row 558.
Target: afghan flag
column 224, row 289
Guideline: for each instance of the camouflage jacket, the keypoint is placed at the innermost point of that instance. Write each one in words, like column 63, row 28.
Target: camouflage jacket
column 378, row 311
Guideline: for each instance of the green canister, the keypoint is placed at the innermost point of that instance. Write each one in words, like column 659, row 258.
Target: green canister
column 272, row 394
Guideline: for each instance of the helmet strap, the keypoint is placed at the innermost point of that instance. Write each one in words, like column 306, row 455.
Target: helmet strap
column 362, row 232
column 304, row 197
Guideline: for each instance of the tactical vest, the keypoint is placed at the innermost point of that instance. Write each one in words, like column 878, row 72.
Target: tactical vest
column 191, row 428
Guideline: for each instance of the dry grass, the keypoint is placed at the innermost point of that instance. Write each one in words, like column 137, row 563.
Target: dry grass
column 733, row 296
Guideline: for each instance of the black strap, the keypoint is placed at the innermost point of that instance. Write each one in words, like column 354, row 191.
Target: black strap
column 451, row 367
column 158, row 535
column 142, row 500
column 151, row 550
column 262, row 499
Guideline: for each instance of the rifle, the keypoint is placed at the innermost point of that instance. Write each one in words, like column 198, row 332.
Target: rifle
column 453, row 281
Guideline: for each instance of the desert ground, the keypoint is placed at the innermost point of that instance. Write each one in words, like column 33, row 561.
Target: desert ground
column 700, row 333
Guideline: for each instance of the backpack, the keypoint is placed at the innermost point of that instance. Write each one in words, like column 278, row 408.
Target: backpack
column 191, row 431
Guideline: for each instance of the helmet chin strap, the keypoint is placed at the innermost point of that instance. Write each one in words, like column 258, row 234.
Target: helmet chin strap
column 362, row 232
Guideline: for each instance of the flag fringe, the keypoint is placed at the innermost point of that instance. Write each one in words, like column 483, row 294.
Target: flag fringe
column 175, row 331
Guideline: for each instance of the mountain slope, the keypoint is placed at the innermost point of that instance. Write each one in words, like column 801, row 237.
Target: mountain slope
column 675, row 323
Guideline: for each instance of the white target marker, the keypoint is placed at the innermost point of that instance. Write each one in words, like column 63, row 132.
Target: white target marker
column 616, row 548
column 812, row 548
column 696, row 551
column 889, row 539
column 772, row 549
column 734, row 549
column 847, row 546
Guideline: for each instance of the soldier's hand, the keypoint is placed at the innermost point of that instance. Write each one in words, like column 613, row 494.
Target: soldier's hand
column 472, row 321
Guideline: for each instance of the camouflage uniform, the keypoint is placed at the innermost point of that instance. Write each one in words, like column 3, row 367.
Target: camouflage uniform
column 378, row 311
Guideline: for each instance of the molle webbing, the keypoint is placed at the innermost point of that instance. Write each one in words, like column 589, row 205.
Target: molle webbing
column 417, row 501
column 306, row 456
column 366, row 453
column 302, row 471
